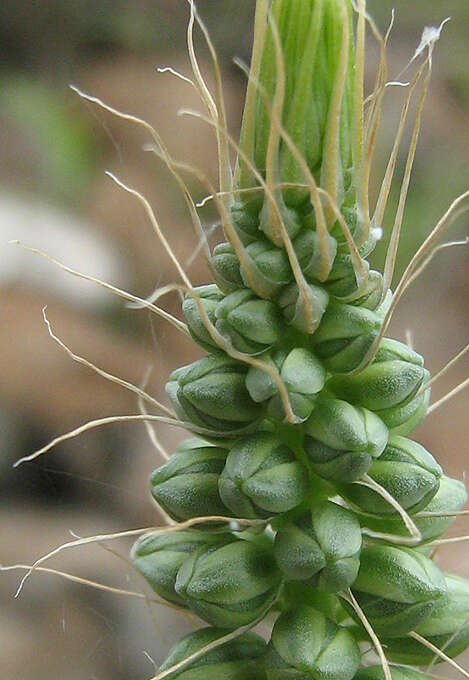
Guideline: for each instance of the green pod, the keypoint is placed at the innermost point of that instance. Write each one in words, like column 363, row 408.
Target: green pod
column 397, row 673
column 450, row 497
column 306, row 645
column 251, row 324
column 209, row 297
column 345, row 335
column 397, row 588
column 303, row 375
column 388, row 387
column 304, row 312
column 308, row 250
column 262, row 477
column 229, row 586
column 447, row 628
column 211, row 393
column 159, row 556
column 406, row 471
column 225, row 267
column 187, row 485
column 342, row 440
column 322, row 548
column 239, row 659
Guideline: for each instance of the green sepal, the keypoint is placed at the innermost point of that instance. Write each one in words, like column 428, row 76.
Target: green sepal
column 268, row 267
column 158, row 557
column 307, row 247
column 250, row 323
column 450, row 497
column 239, row 659
column 304, row 312
column 345, row 335
column 397, row 588
column 303, row 375
column 408, row 473
column 230, row 586
column 211, row 393
column 262, row 477
column 389, row 388
column 342, row 440
column 306, row 645
column 322, row 547
column 447, row 628
column 226, row 268
column 187, row 485
column 209, row 296
column 245, row 217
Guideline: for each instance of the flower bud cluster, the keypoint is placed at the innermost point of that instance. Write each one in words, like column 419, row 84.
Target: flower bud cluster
column 304, row 428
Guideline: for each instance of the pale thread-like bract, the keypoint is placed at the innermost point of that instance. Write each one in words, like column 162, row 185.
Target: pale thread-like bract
column 303, row 500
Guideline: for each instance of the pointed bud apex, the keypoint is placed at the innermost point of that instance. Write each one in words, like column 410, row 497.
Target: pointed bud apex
column 342, row 440
column 322, row 547
column 235, row 660
column 262, row 477
column 305, row 640
column 408, row 473
column 229, row 586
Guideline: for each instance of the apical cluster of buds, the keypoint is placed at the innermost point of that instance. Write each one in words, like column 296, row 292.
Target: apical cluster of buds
column 303, row 407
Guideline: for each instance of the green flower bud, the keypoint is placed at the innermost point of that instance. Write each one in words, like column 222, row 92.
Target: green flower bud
column 305, row 645
column 389, row 388
column 187, row 485
column 342, row 440
column 450, row 497
column 262, row 477
column 303, row 314
column 211, row 393
column 250, row 323
column 269, row 266
column 235, row 660
column 245, row 216
column 225, row 266
column 397, row 588
column 345, row 335
column 209, row 296
column 303, row 375
column 407, row 471
column 322, row 547
column 447, row 628
column 397, row 673
column 308, row 250
column 229, row 586
column 158, row 557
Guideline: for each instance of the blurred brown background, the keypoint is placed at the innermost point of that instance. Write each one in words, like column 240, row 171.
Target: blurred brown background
column 54, row 195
